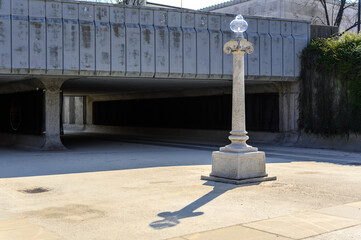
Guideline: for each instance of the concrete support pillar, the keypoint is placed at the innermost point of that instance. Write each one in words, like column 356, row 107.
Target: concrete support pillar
column 79, row 111
column 74, row 111
column 288, row 105
column 89, row 110
column 66, row 117
column 52, row 90
column 71, row 110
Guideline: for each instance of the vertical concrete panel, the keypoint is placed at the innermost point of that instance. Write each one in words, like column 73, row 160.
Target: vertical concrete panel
column 79, row 110
column 215, row 47
column 5, row 7
column 66, row 109
column 147, row 43
column 71, row 110
column 254, row 58
column 201, row 26
column 37, row 26
column 265, row 48
column 227, row 58
column 54, row 37
column 117, row 41
column 88, row 110
column 71, row 38
column 132, row 42
column 300, row 34
column 20, row 36
column 87, row 39
column 102, row 41
column 189, row 46
column 175, row 44
column 161, row 43
column 5, row 37
column 277, row 48
column 288, row 49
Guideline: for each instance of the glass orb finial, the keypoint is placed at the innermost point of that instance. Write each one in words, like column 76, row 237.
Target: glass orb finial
column 239, row 25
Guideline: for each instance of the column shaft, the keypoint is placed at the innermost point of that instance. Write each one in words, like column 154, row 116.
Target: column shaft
column 52, row 98
column 238, row 101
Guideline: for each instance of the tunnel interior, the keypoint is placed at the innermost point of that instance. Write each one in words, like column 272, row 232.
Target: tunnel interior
column 205, row 112
column 22, row 113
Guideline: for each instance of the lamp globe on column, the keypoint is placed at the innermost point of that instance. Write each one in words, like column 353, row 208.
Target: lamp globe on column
column 239, row 26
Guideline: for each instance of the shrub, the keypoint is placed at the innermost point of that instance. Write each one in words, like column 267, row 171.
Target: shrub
column 330, row 97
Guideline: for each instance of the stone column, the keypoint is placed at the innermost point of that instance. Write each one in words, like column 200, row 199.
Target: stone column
column 52, row 89
column 238, row 134
column 238, row 162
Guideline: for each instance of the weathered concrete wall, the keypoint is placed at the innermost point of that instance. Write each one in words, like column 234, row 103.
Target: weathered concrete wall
column 292, row 9
column 91, row 39
column 322, row 31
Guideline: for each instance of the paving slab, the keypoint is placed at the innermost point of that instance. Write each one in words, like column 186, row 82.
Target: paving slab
column 233, row 233
column 346, row 211
column 352, row 233
column 21, row 229
column 303, row 225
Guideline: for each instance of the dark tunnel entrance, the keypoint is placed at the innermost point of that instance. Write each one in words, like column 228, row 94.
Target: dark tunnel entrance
column 206, row 112
column 22, row 113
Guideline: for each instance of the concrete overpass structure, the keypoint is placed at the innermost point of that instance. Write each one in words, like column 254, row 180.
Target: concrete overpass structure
column 125, row 63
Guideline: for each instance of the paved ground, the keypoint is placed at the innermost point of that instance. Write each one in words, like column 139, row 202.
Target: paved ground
column 111, row 189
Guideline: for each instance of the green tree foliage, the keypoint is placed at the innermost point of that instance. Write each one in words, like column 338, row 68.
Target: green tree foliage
column 330, row 99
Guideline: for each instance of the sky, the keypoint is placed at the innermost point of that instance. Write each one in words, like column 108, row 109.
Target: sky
column 191, row 4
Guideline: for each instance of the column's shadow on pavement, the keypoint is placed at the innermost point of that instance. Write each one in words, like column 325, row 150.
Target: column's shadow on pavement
column 171, row 219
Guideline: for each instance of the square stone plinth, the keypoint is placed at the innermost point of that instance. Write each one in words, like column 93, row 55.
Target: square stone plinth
column 238, row 165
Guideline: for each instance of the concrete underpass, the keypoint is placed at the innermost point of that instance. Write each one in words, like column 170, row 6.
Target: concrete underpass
column 141, row 73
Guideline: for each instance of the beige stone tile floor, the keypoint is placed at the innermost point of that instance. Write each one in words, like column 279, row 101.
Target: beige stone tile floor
column 103, row 189
column 296, row 226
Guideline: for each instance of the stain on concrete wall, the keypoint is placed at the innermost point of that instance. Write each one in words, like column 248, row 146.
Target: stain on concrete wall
column 175, row 44
column 216, row 46
column 102, row 40
column 54, row 37
column 71, row 38
column 117, row 41
column 147, row 43
column 5, row 37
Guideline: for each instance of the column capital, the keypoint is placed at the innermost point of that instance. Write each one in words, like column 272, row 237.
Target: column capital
column 52, row 84
column 238, row 46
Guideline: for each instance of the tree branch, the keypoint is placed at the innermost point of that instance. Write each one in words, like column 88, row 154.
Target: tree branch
column 324, row 4
column 349, row 28
column 340, row 13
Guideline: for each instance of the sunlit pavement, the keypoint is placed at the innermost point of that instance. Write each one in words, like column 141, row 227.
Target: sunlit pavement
column 112, row 189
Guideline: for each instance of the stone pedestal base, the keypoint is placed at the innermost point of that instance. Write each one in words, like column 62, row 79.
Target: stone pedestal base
column 238, row 182
column 238, row 165
column 238, row 168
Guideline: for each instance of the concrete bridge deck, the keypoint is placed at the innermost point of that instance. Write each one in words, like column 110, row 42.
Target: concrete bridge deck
column 41, row 38
column 109, row 52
